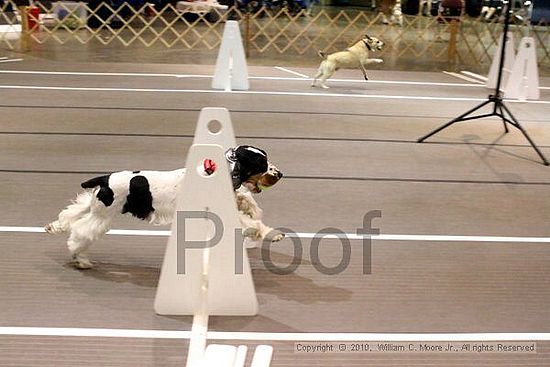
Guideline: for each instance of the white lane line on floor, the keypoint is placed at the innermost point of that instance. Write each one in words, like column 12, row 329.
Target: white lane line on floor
column 10, row 60
column 3, row 58
column 291, row 71
column 90, row 73
column 199, row 76
column 267, row 336
column 484, row 79
column 435, row 238
column 460, row 76
column 268, row 93
column 350, row 236
column 474, row 75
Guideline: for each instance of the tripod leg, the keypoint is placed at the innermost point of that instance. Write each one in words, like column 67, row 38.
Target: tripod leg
column 517, row 124
column 503, row 119
column 457, row 119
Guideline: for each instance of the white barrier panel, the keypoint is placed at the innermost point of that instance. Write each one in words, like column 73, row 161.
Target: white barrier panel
column 216, row 281
column 231, row 71
column 218, row 355
column 509, row 56
column 523, row 83
column 240, row 357
column 262, row 356
column 229, row 292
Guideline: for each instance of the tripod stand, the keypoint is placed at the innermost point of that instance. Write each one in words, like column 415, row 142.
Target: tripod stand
column 499, row 108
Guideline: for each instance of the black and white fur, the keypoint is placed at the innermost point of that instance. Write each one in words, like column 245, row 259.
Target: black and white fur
column 151, row 196
column 356, row 56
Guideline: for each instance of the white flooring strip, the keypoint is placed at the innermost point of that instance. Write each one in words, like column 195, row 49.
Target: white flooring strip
column 350, row 236
column 291, row 72
column 11, row 60
column 460, row 76
column 199, row 76
column 480, row 77
column 435, row 238
column 268, row 93
column 302, row 77
column 267, row 336
column 484, row 79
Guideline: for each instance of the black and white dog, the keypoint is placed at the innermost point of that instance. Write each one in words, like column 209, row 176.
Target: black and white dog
column 151, row 196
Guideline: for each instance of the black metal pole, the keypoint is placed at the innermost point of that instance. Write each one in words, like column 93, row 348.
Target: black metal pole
column 499, row 107
column 505, row 5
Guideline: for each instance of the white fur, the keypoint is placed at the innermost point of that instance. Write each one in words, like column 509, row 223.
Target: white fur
column 87, row 218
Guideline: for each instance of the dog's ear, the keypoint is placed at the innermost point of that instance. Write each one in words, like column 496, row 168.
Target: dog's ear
column 252, row 160
column 368, row 37
column 236, row 176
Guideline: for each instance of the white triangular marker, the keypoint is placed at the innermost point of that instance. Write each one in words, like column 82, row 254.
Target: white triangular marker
column 509, row 56
column 225, row 277
column 523, row 83
column 231, row 70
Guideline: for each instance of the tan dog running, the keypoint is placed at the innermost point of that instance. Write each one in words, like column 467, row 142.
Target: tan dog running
column 353, row 57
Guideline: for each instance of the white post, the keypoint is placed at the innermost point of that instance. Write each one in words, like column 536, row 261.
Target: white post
column 523, row 83
column 205, row 269
column 509, row 56
column 231, row 70
column 230, row 286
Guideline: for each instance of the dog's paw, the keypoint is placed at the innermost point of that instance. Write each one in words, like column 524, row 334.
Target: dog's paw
column 278, row 237
column 324, row 86
column 82, row 263
column 48, row 228
column 377, row 61
column 252, row 233
column 274, row 236
column 54, row 227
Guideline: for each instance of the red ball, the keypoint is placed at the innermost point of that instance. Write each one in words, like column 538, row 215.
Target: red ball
column 209, row 166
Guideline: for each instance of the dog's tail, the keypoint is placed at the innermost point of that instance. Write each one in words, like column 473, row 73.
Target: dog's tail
column 96, row 181
column 322, row 54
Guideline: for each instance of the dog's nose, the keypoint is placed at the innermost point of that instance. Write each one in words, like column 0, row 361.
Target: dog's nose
column 279, row 174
